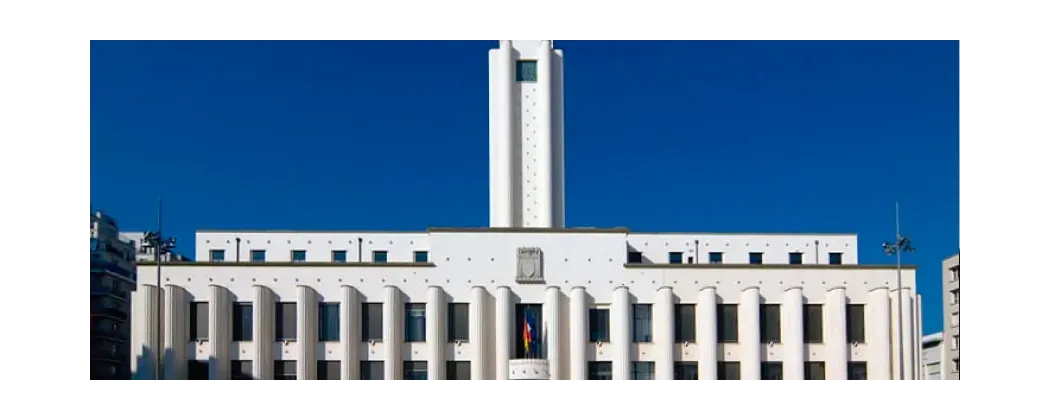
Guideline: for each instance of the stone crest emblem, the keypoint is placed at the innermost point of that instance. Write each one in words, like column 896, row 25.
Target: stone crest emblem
column 530, row 265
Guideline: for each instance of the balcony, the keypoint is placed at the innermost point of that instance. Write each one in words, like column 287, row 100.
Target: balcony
column 99, row 264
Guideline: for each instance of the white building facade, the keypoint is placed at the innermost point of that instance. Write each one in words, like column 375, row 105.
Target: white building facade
column 932, row 357
column 454, row 303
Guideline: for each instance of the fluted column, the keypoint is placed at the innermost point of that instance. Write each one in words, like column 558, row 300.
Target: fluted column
column 578, row 333
column 750, row 340
column 917, row 336
column 152, row 311
column 478, row 325
column 791, row 323
column 350, row 334
column 620, row 333
column 880, row 350
column 220, row 334
column 393, row 334
column 306, row 308
column 436, row 333
column 552, row 332
column 836, row 348
column 176, row 332
column 707, row 333
column 263, row 334
column 663, row 333
column 909, row 335
column 504, row 319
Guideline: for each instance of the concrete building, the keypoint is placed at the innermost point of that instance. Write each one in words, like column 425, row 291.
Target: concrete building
column 932, row 356
column 950, row 285
column 136, row 238
column 526, row 298
column 112, row 284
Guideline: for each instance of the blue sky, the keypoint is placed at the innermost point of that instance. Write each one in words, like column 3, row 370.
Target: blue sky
column 660, row 136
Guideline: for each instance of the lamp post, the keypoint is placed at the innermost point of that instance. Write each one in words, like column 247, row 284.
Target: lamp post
column 159, row 245
column 901, row 245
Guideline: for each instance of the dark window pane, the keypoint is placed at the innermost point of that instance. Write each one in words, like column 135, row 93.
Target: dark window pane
column 714, row 257
column 197, row 370
column 643, row 323
column 258, row 255
column 525, row 71
column 754, row 258
column 217, row 255
column 285, row 321
column 415, row 322
column 772, row 371
column 770, row 321
column 457, row 370
column 599, row 371
column 533, row 315
column 339, row 256
column 241, row 370
column 298, row 255
column 379, row 256
column 684, row 323
column 199, row 321
column 328, row 321
column 371, row 321
column 328, row 370
column 674, row 257
column 634, row 257
column 420, row 256
column 795, row 258
column 729, row 371
column 814, row 371
column 458, row 322
column 686, row 371
column 855, row 323
column 284, row 370
column 727, row 324
column 242, row 321
column 643, row 371
column 415, row 371
column 858, row 371
column 813, row 319
column 371, row 370
column 835, row 258
column 599, row 325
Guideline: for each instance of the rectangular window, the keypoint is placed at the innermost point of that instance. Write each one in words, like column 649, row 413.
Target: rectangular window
column 420, row 256
column 684, row 323
column 729, row 371
column 339, row 256
column 855, row 323
column 769, row 319
column 217, row 255
column 415, row 322
column 772, row 371
column 674, row 257
column 754, row 258
column 955, row 320
column 372, row 322
column 686, row 371
column 458, row 322
column 532, row 315
column 813, row 320
column 643, row 323
column 298, row 255
column 795, row 258
column 284, row 370
column 258, row 255
column 199, row 321
column 415, row 370
column 814, row 371
column 835, row 258
column 727, row 325
column 714, row 257
column 285, row 321
column 690, row 260
column 954, row 297
column 328, row 370
column 634, row 257
column 599, row 325
column 197, row 370
column 372, row 370
column 457, row 370
column 379, row 256
column 955, row 342
column 643, row 371
column 241, row 370
column 857, row 371
column 525, row 71
column 599, row 371
column 328, row 321
column 242, row 321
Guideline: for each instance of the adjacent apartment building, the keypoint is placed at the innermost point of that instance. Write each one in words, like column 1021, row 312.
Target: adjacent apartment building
column 112, row 283
column 950, row 269
column 932, row 356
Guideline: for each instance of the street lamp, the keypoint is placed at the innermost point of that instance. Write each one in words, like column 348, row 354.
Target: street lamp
column 900, row 246
column 159, row 245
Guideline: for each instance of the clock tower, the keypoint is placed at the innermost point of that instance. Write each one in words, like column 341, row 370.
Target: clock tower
column 526, row 136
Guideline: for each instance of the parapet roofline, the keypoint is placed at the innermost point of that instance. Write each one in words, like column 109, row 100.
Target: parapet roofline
column 623, row 230
column 630, row 266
